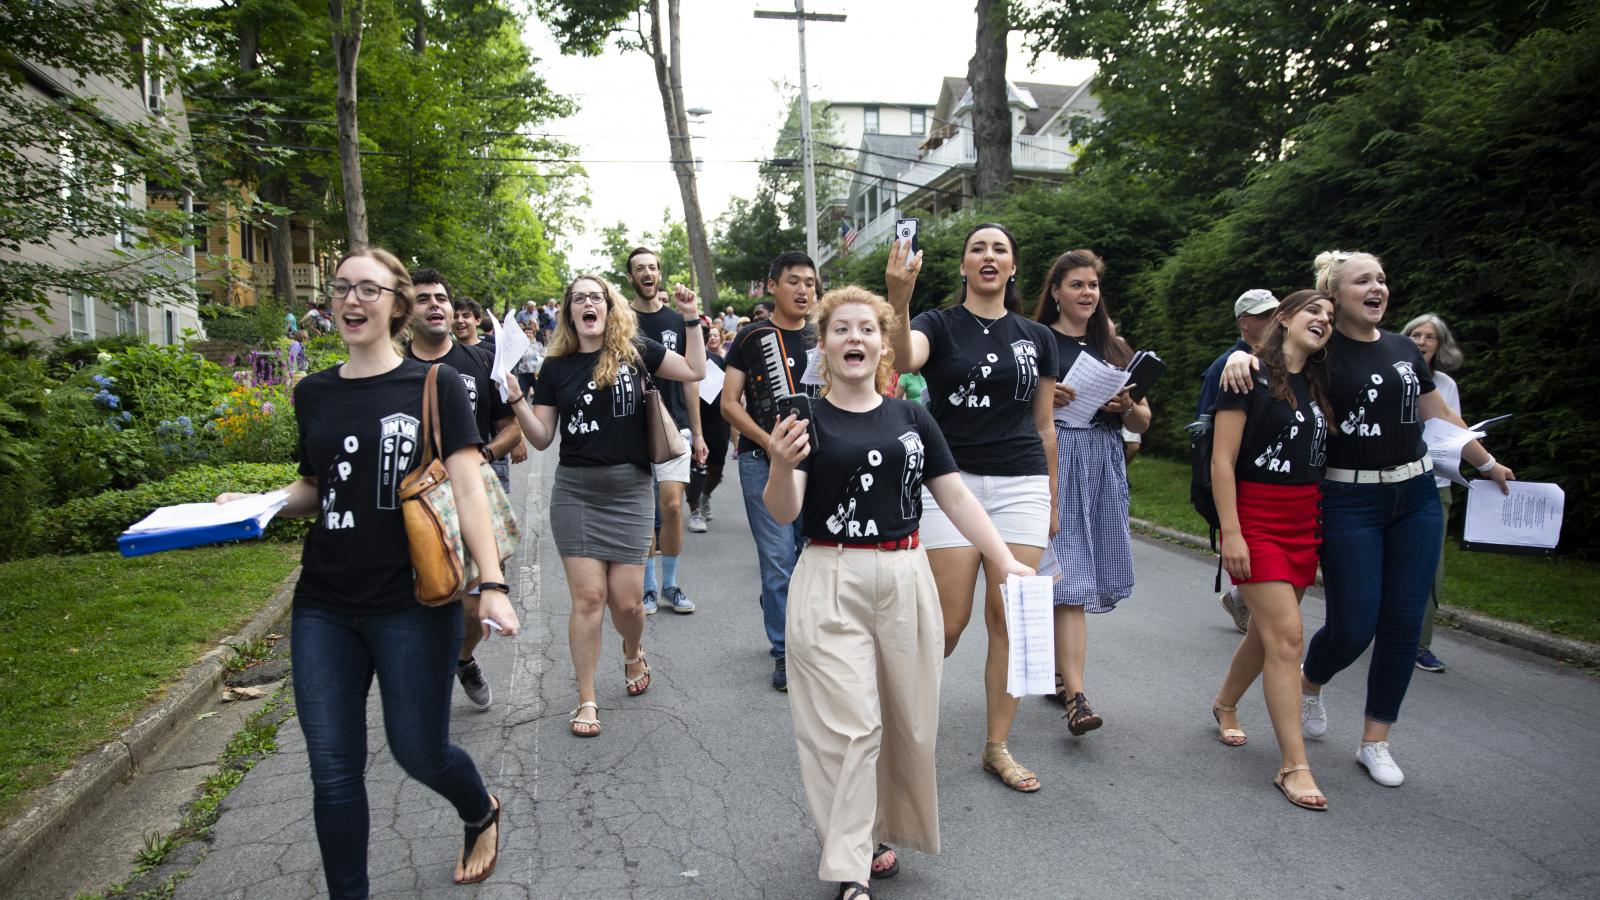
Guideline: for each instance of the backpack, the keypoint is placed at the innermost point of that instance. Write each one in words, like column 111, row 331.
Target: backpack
column 1200, row 438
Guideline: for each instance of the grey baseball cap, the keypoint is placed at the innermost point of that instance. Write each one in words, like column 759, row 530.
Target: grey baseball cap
column 1254, row 303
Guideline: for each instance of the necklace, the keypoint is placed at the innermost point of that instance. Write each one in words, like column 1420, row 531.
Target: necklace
column 985, row 325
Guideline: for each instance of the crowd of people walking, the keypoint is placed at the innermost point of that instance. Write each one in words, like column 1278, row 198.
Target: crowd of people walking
column 886, row 462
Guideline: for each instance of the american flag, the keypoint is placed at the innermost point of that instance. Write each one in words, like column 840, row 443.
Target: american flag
column 847, row 233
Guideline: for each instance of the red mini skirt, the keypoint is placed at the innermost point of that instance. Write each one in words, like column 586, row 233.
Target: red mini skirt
column 1282, row 526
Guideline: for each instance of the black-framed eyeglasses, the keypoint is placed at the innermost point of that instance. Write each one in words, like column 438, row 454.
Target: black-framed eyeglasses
column 366, row 291
column 596, row 298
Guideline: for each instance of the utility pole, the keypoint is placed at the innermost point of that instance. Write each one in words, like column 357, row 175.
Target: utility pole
column 806, row 158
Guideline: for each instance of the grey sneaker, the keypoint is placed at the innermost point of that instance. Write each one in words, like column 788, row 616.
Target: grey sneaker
column 471, row 678
column 780, row 674
column 697, row 522
column 649, row 601
column 705, row 507
column 675, row 600
column 1236, row 608
column 1313, row 716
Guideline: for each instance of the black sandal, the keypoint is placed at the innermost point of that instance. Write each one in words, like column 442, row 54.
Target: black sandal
column 1060, row 696
column 894, row 868
column 845, row 887
column 1080, row 718
column 470, row 842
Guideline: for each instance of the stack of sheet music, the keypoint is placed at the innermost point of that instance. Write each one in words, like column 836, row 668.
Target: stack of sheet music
column 194, row 524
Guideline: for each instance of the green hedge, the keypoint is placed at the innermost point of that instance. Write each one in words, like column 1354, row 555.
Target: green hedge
column 89, row 524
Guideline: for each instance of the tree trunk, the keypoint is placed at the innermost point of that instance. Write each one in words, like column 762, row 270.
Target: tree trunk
column 347, row 51
column 991, row 114
column 277, row 193
column 669, row 78
column 419, row 34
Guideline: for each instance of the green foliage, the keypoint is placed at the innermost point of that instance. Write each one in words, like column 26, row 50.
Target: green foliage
column 90, row 524
column 67, row 356
column 157, row 382
column 256, row 424
column 327, row 350
column 670, row 241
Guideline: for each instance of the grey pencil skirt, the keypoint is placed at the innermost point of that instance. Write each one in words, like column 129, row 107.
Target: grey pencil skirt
column 603, row 512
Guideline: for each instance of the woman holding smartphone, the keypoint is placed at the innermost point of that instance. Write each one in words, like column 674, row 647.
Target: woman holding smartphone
column 355, row 609
column 1269, row 452
column 1381, row 514
column 865, row 630
column 991, row 374
column 602, row 506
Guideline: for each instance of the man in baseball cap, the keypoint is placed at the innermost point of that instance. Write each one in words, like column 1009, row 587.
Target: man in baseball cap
column 1253, row 310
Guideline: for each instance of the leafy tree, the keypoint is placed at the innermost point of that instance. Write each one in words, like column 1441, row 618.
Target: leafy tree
column 670, row 242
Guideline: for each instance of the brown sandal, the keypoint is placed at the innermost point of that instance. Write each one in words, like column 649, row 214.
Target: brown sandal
column 1080, row 718
column 636, row 686
column 470, row 842
column 1232, row 737
column 997, row 760
column 1299, row 799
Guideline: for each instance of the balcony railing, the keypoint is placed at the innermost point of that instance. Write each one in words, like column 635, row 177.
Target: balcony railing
column 304, row 275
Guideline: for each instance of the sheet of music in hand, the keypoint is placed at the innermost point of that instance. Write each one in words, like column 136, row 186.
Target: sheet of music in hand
column 1031, row 632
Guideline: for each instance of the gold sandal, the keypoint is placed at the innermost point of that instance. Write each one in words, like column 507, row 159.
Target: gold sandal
column 636, row 686
column 1233, row 737
column 574, row 723
column 997, row 760
column 1299, row 799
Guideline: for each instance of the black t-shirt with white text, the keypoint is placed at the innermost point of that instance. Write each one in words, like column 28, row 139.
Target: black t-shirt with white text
column 981, row 387
column 1375, row 388
column 1288, row 445
column 755, row 352
column 476, row 370
column 865, row 481
column 1067, row 351
column 668, row 327
column 359, row 437
column 599, row 426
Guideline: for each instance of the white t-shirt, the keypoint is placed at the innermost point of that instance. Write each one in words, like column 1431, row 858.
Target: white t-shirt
column 1451, row 394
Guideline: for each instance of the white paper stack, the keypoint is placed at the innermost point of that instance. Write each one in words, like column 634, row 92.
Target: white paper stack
column 1030, row 629
column 259, row 508
column 510, row 344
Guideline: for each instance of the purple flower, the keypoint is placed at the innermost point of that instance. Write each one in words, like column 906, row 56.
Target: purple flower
column 267, row 407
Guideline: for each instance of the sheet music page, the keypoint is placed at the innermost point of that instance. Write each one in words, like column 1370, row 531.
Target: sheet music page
column 1444, row 442
column 510, row 343
column 1530, row 516
column 813, row 372
column 711, row 385
column 1030, row 627
column 1095, row 382
column 205, row 515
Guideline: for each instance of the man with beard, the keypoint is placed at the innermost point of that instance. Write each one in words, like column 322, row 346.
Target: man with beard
column 661, row 322
column 432, row 321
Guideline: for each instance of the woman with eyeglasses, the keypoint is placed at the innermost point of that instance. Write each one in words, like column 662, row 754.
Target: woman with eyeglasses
column 602, row 506
column 1443, row 355
column 355, row 610
column 1380, row 510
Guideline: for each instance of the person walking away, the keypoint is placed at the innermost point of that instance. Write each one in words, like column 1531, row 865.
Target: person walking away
column 355, row 612
column 787, row 340
column 991, row 375
column 591, row 391
column 1091, row 545
column 865, row 630
column 1269, row 452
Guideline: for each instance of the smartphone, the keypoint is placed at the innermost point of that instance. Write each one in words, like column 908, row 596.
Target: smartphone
column 800, row 406
column 906, row 229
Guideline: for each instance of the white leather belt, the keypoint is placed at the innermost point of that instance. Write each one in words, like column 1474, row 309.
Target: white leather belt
column 1391, row 475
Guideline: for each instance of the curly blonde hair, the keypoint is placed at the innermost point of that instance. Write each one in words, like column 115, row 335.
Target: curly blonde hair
column 617, row 342
column 888, row 322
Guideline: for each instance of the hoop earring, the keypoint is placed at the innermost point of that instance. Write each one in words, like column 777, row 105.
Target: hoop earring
column 1320, row 356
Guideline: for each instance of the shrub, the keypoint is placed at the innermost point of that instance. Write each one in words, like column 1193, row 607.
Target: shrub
column 167, row 382
column 324, row 351
column 66, row 356
column 256, row 424
column 90, row 524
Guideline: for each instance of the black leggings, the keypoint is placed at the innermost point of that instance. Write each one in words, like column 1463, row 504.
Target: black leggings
column 704, row 479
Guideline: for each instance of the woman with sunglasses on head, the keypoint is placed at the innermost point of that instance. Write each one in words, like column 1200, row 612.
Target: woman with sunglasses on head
column 1269, row 452
column 991, row 374
column 355, row 609
column 1443, row 355
column 865, row 631
column 1381, row 515
column 1092, row 546
column 602, row 506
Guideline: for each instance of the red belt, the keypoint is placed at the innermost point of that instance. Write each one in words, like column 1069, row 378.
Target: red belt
column 909, row 542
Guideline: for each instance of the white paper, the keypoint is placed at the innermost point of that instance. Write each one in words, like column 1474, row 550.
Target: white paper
column 1487, row 422
column 1445, row 441
column 813, row 372
column 1030, row 630
column 711, row 385
column 510, row 344
column 260, row 507
column 1095, row 382
column 1530, row 516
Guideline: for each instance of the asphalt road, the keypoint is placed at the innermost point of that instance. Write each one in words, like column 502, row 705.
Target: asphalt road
column 693, row 790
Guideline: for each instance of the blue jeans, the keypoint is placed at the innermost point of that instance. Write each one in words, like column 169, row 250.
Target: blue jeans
column 334, row 657
column 777, row 546
column 1379, row 552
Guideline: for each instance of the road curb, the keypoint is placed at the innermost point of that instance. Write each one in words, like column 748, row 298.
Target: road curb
column 79, row 790
column 1514, row 634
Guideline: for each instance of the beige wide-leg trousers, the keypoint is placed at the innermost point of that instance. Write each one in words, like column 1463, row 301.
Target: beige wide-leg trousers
column 865, row 641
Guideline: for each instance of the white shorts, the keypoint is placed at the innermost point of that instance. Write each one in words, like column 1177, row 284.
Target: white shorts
column 1129, row 437
column 677, row 469
column 1018, row 505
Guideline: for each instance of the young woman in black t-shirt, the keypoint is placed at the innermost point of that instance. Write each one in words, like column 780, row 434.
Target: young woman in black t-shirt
column 355, row 608
column 991, row 374
column 602, row 506
column 1381, row 515
column 865, row 631
column 1269, row 450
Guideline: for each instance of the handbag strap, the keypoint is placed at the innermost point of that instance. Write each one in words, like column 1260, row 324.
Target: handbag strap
column 432, row 437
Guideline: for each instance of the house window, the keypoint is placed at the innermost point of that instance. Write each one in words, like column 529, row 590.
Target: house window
column 169, row 326
column 869, row 120
column 80, row 308
column 247, row 242
column 202, row 233
column 919, row 121
column 72, row 187
column 127, row 322
column 155, row 87
column 124, row 189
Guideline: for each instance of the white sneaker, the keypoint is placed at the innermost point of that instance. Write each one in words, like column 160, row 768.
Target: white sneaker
column 1313, row 715
column 1375, row 758
column 697, row 523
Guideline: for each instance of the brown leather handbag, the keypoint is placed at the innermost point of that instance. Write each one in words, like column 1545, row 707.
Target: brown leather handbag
column 662, row 437
column 433, row 525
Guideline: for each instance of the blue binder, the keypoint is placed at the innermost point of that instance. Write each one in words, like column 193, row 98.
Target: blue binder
column 148, row 542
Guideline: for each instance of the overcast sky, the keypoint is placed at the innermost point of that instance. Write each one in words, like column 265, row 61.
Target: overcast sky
column 737, row 65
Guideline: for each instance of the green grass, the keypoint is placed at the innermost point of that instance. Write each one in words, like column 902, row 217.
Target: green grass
column 1556, row 595
column 85, row 641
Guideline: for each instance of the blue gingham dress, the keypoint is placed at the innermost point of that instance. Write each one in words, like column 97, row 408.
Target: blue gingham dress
column 1093, row 547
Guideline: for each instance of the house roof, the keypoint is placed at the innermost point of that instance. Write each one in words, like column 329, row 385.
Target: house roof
column 1039, row 100
column 887, row 155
